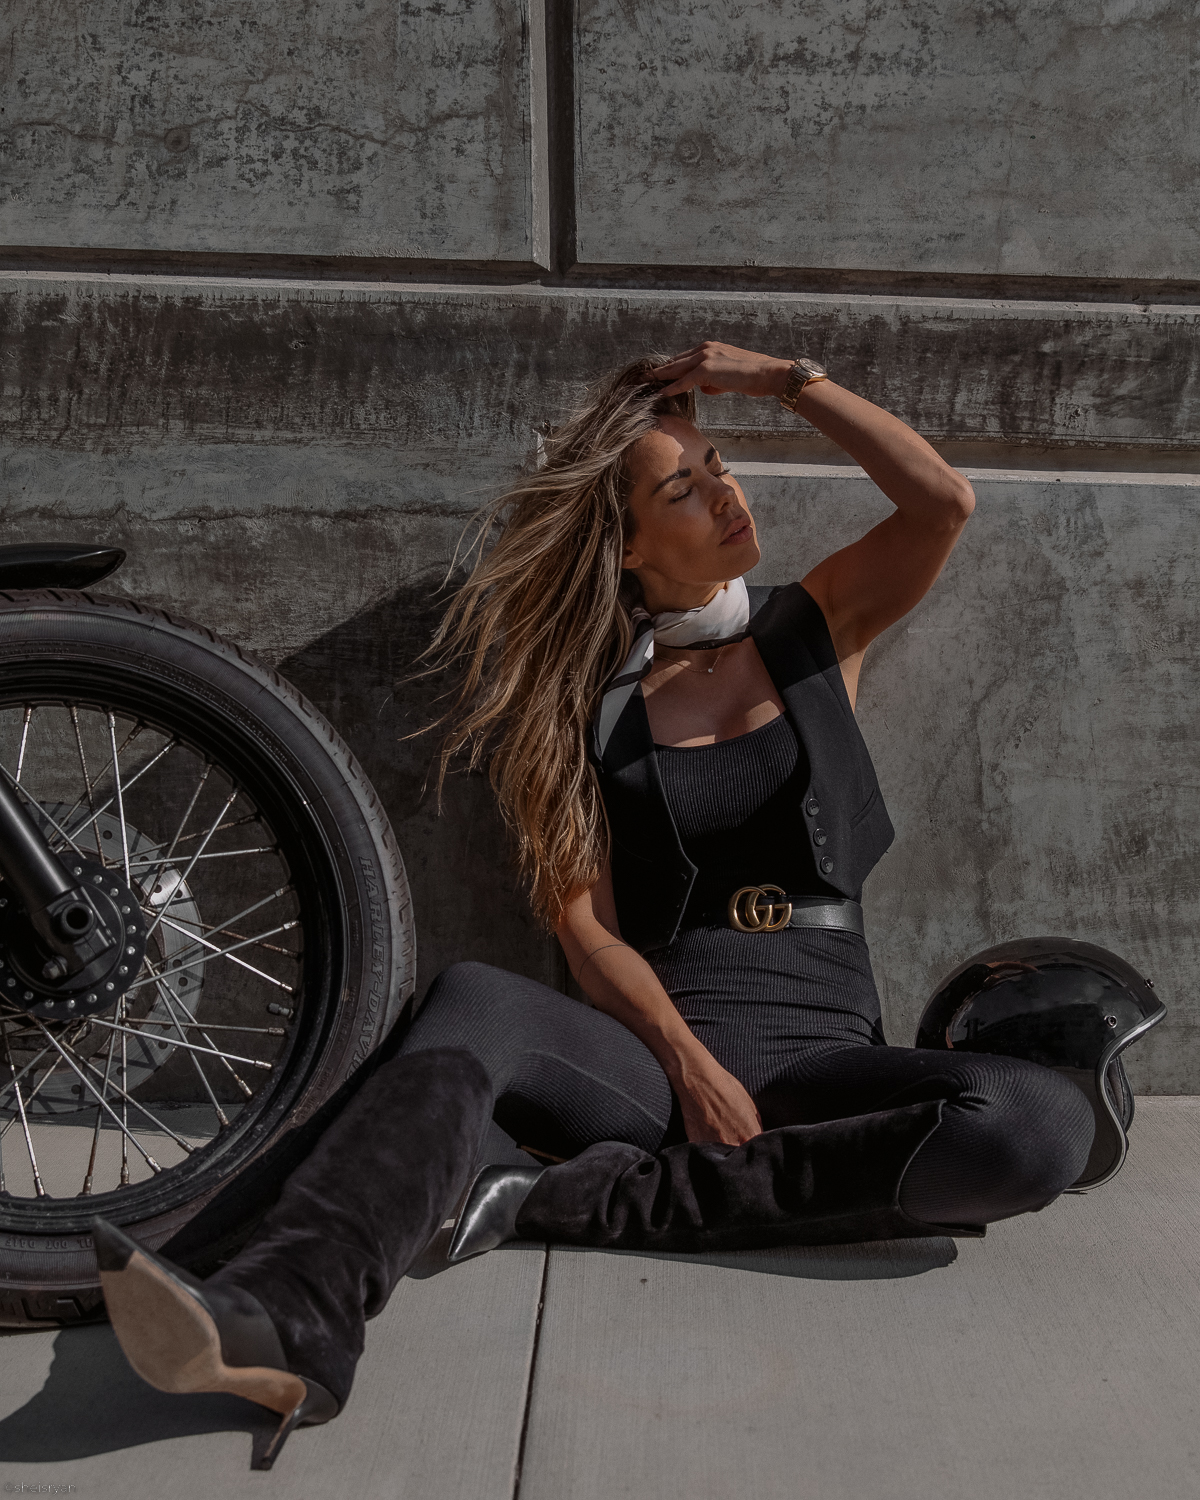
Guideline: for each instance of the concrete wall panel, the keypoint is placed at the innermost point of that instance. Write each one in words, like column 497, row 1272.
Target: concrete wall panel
column 1055, row 137
column 448, row 369
column 1033, row 722
column 293, row 465
column 364, row 129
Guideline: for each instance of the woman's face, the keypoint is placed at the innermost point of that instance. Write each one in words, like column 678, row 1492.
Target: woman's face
column 691, row 527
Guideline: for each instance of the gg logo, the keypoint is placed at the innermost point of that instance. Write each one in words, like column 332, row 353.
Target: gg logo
column 752, row 909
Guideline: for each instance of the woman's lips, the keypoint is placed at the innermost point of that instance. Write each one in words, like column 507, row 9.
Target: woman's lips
column 742, row 533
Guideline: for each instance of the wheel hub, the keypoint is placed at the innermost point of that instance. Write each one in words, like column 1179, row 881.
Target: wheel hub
column 98, row 986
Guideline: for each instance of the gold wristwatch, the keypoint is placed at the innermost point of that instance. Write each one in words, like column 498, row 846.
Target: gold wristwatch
column 802, row 373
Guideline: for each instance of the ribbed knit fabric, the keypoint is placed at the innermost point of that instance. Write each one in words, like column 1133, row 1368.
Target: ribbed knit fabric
column 794, row 1015
column 753, row 999
column 736, row 807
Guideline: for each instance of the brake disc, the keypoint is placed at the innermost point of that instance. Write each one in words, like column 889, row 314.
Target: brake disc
column 161, row 890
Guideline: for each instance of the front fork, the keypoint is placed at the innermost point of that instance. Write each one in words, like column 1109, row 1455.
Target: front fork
column 71, row 937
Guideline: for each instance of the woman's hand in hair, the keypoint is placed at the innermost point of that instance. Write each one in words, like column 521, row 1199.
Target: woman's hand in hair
column 718, row 368
column 715, row 1105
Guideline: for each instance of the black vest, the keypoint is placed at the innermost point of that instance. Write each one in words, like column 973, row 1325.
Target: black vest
column 652, row 876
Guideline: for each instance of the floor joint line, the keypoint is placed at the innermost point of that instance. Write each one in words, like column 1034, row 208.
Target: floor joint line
column 537, row 1338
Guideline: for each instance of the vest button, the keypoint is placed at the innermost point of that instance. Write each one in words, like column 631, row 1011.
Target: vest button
column 827, row 866
column 812, row 807
column 819, row 836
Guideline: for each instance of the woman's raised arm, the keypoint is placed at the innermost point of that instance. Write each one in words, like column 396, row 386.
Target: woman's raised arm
column 621, row 983
column 871, row 584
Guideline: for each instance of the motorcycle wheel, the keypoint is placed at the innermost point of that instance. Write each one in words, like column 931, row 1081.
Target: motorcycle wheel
column 279, row 952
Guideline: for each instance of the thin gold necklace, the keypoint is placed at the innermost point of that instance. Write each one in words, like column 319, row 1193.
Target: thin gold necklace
column 718, row 654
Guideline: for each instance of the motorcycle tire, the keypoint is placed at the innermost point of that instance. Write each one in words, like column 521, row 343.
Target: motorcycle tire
column 109, row 678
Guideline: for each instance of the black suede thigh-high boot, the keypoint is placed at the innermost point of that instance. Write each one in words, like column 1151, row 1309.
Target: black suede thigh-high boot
column 358, row 1211
column 283, row 1323
column 828, row 1183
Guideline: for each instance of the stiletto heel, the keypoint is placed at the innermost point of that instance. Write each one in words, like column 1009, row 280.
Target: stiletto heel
column 307, row 1414
column 350, row 1220
column 489, row 1215
column 182, row 1335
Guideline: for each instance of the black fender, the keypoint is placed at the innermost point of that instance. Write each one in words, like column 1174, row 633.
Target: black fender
column 57, row 565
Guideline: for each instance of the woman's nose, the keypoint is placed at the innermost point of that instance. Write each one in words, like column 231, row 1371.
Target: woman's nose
column 724, row 495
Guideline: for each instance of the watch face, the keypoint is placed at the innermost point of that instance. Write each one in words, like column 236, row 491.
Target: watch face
column 812, row 368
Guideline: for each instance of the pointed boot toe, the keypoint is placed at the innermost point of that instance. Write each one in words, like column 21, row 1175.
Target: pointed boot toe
column 182, row 1335
column 489, row 1216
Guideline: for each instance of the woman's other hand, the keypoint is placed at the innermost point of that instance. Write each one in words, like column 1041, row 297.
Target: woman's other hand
column 715, row 1105
column 717, row 368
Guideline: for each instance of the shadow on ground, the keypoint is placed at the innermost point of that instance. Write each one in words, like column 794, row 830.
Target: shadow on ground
column 92, row 1402
column 881, row 1260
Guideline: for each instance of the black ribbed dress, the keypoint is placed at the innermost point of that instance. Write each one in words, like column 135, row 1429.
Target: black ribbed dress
column 754, row 999
column 793, row 1015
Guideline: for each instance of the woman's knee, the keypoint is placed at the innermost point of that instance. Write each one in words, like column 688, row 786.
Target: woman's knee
column 1009, row 1145
column 465, row 981
column 1033, row 1138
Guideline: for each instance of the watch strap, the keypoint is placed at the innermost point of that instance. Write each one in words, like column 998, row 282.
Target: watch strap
column 802, row 373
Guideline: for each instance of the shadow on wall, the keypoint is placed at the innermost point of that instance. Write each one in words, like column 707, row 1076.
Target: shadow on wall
column 466, row 896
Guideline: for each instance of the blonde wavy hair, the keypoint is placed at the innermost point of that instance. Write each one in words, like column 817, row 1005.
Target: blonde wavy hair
column 540, row 625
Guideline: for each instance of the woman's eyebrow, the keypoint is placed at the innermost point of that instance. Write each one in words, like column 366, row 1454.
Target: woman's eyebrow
column 678, row 474
column 684, row 473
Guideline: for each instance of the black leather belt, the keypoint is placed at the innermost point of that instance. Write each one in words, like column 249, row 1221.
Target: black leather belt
column 768, row 908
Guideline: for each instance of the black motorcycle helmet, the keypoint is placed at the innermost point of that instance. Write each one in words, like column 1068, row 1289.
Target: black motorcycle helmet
column 1067, row 1005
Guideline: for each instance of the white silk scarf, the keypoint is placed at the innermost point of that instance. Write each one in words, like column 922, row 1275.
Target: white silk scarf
column 723, row 619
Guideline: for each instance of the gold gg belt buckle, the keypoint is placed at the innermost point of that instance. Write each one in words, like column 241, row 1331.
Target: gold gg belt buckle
column 752, row 910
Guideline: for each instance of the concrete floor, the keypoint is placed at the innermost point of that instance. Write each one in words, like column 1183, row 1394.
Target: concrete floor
column 1054, row 1359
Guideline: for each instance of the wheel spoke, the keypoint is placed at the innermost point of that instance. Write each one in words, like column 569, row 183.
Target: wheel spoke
column 124, row 1105
column 209, row 1026
column 216, row 854
column 91, row 1166
column 237, row 917
column 46, row 1076
column 241, row 962
column 125, row 744
column 122, row 1124
column 165, row 992
column 24, row 741
column 87, row 783
column 137, row 775
column 207, row 958
column 38, row 1189
column 4, row 1089
column 210, row 1051
column 225, row 1063
column 166, row 859
column 116, row 770
column 158, row 1124
column 152, row 849
column 192, row 865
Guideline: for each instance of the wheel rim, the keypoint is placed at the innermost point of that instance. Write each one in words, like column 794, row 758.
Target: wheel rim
column 136, row 1110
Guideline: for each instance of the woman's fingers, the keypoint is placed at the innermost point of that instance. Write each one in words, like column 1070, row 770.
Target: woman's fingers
column 720, row 368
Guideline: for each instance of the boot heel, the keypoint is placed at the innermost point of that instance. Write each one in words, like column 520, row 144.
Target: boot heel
column 317, row 1408
column 489, row 1216
column 182, row 1336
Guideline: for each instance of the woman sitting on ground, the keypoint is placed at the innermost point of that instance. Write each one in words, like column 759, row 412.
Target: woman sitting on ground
column 695, row 813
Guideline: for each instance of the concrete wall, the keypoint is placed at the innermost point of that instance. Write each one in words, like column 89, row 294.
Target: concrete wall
column 284, row 361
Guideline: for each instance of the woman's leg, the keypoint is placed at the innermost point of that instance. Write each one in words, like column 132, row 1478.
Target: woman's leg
column 1012, row 1136
column 283, row 1322
column 564, row 1075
